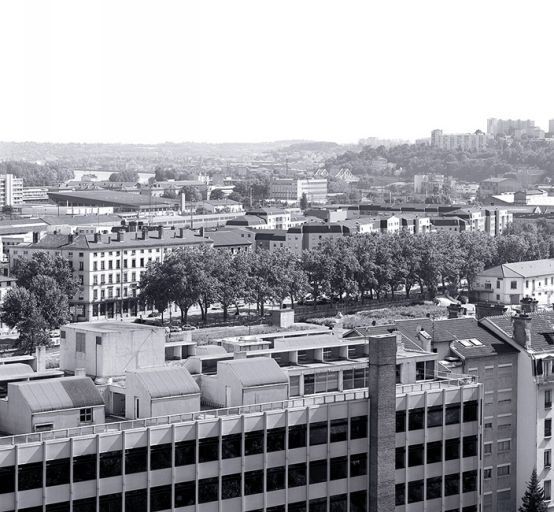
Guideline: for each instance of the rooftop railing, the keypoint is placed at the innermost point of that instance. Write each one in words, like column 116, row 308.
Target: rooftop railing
column 437, row 380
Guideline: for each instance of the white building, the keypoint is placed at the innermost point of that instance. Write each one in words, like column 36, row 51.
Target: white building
column 511, row 282
column 290, row 189
column 11, row 190
column 462, row 141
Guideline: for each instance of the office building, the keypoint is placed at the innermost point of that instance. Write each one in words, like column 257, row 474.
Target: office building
column 292, row 190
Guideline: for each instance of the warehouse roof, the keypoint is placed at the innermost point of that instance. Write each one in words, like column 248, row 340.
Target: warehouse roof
column 521, row 269
column 167, row 381
column 256, row 371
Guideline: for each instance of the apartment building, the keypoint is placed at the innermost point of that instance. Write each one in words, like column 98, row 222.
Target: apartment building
column 109, row 266
column 532, row 335
column 11, row 190
column 292, row 189
column 511, row 282
column 459, row 141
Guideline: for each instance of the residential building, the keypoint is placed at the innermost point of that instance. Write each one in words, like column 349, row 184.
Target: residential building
column 511, row 282
column 275, row 218
column 531, row 334
column 459, row 141
column 508, row 126
column 292, row 189
column 11, row 190
column 109, row 266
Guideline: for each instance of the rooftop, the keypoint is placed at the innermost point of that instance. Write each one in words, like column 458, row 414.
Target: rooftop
column 167, row 381
column 521, row 269
column 110, row 197
column 256, row 371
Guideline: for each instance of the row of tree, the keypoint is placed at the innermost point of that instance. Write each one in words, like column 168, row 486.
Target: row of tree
column 341, row 269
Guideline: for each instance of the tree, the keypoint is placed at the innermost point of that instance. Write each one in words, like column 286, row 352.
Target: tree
column 304, row 202
column 155, row 285
column 43, row 263
column 231, row 274
column 182, row 269
column 533, row 498
column 127, row 175
column 7, row 209
column 192, row 194
column 217, row 194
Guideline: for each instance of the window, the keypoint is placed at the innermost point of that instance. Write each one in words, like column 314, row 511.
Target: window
column 275, row 439
column 29, row 476
column 415, row 491
column 253, row 482
column 452, row 414
column 160, row 456
column 275, row 479
column 231, row 486
column 318, row 504
column 547, row 427
column 452, row 484
column 160, row 498
column 415, row 455
column 339, row 431
column 318, row 471
column 469, row 480
column 85, row 415
column 208, row 449
column 487, row 473
column 338, row 468
column 358, row 501
column 548, row 399
column 185, row 453
column 7, row 479
column 110, row 503
column 297, row 436
column 297, row 475
column 415, row 419
column 547, row 486
column 134, row 500
column 451, row 449
column 110, row 464
column 358, row 427
column 231, row 446
column 400, row 494
column 135, row 460
column 80, row 345
column 318, row 433
column 434, row 487
column 208, row 490
column 470, row 411
column 434, row 416
column 487, row 448
column 254, row 442
column 57, row 472
column 185, row 494
column 547, row 458
column 84, row 468
column 337, row 503
column 400, row 457
column 469, row 446
column 513, row 285
column 400, row 421
column 434, row 452
column 358, row 464
column 504, row 446
column 295, row 385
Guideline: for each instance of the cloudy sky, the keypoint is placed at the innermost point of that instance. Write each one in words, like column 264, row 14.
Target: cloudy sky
column 237, row 70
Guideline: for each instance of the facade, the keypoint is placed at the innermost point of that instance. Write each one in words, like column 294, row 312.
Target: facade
column 291, row 189
column 495, row 186
column 512, row 282
column 514, row 128
column 35, row 194
column 11, row 190
column 109, row 266
column 459, row 141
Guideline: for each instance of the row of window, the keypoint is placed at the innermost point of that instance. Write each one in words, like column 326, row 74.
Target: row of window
column 436, row 416
column 160, row 499
column 30, row 476
column 503, row 470
column 419, row 454
column 436, row 487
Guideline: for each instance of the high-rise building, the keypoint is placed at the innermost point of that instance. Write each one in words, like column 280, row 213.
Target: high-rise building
column 11, row 190
column 512, row 127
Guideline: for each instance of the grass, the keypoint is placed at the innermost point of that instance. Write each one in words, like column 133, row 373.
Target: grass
column 384, row 316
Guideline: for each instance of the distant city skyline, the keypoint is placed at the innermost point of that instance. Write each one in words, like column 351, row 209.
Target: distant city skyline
column 245, row 71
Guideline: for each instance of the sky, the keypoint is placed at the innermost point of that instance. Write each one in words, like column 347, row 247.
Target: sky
column 262, row 70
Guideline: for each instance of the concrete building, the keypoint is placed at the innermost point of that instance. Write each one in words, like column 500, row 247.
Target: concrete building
column 346, row 438
column 511, row 282
column 11, row 190
column 109, row 266
column 30, row 194
column 508, row 126
column 109, row 349
column 495, row 186
column 459, row 141
column 292, row 189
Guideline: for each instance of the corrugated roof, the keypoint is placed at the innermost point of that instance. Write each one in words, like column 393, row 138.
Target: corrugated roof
column 521, row 269
column 256, row 371
column 167, row 381
column 59, row 394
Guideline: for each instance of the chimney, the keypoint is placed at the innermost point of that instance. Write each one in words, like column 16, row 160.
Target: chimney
column 143, row 233
column 70, row 238
column 182, row 232
column 521, row 326
column 36, row 237
column 528, row 304
column 80, row 372
column 425, row 338
column 454, row 310
column 120, row 236
column 201, row 232
column 97, row 238
column 160, row 232
column 40, row 361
